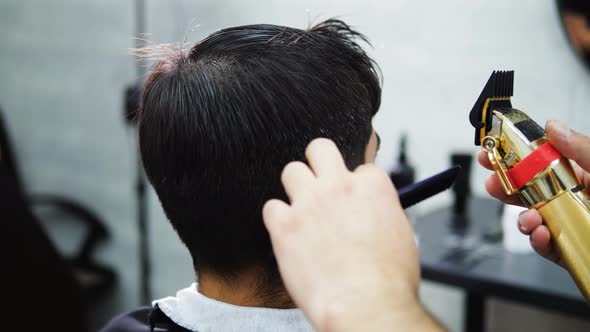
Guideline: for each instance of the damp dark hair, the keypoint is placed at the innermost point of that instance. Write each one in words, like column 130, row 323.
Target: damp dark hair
column 219, row 122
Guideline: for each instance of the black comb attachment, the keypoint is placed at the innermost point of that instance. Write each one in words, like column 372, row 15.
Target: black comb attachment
column 504, row 83
column 417, row 192
column 499, row 85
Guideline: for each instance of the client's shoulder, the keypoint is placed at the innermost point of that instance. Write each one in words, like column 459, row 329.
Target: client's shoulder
column 135, row 320
column 142, row 319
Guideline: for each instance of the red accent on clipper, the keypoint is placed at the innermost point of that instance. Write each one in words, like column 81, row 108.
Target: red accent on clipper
column 532, row 164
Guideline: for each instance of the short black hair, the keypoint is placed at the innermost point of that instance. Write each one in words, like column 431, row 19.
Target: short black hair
column 219, row 122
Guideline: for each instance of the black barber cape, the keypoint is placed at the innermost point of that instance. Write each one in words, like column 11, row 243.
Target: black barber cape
column 143, row 319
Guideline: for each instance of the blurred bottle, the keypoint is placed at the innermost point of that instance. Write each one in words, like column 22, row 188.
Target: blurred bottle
column 462, row 188
column 403, row 173
column 461, row 193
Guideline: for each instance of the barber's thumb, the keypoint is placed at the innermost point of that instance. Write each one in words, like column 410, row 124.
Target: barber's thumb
column 569, row 143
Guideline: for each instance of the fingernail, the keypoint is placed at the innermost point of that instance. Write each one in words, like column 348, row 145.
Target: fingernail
column 560, row 129
column 521, row 223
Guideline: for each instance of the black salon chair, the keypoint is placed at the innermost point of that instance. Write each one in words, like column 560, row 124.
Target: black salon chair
column 41, row 287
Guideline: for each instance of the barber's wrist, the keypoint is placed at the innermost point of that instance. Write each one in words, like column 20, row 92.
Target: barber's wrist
column 385, row 307
column 380, row 316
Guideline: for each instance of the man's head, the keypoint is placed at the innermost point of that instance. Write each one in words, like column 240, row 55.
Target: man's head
column 219, row 123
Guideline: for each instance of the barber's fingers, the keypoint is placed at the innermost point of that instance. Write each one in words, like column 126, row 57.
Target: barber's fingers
column 570, row 143
column 528, row 221
column 482, row 158
column 376, row 181
column 581, row 174
column 541, row 242
column 324, row 158
column 296, row 178
column 494, row 188
column 275, row 214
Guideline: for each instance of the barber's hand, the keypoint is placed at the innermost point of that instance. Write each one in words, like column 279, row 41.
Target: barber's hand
column 571, row 145
column 344, row 246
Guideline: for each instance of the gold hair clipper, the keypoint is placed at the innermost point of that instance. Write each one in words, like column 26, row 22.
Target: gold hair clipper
column 529, row 166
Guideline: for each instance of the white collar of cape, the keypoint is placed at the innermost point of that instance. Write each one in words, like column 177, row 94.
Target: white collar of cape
column 196, row 312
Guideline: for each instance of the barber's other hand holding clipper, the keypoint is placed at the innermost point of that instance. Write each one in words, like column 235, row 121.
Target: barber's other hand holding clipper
column 571, row 145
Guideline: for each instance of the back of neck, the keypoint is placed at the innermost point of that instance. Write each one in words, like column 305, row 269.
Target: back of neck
column 248, row 289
